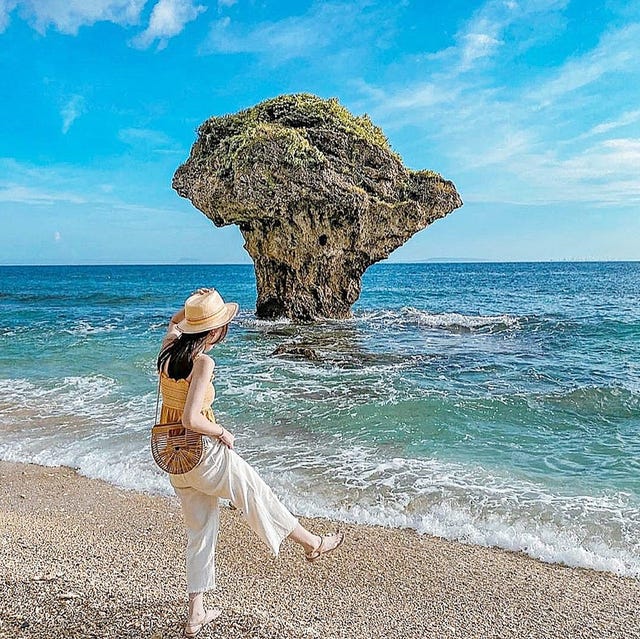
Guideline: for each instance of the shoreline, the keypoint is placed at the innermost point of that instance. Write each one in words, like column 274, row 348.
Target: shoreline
column 80, row 557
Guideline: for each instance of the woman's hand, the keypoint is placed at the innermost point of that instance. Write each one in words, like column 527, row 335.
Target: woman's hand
column 178, row 316
column 226, row 437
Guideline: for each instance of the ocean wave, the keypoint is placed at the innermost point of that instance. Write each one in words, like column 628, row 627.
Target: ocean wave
column 594, row 401
column 123, row 466
column 84, row 327
column 263, row 324
column 73, row 403
column 333, row 475
column 407, row 315
column 463, row 503
column 80, row 298
column 460, row 322
column 455, row 322
column 354, row 483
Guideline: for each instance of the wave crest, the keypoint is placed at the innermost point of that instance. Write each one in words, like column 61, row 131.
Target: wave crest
column 455, row 322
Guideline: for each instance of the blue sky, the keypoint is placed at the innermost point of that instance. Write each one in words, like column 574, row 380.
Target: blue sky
column 531, row 107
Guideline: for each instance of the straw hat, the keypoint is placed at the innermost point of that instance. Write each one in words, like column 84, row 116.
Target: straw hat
column 206, row 311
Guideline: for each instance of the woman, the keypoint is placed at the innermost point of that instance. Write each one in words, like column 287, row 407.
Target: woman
column 186, row 374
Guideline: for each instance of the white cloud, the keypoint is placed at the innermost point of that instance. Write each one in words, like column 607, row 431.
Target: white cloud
column 476, row 46
column 57, row 236
column 524, row 141
column 616, row 52
column 65, row 184
column 149, row 139
column 605, row 173
column 226, row 3
column 289, row 38
column 147, row 136
column 629, row 117
column 67, row 16
column 301, row 36
column 71, row 111
column 34, row 196
column 168, row 19
column 6, row 7
column 617, row 156
column 483, row 35
column 48, row 184
column 141, row 208
column 419, row 97
column 513, row 142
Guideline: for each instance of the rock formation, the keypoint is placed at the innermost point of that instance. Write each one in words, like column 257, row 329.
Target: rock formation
column 297, row 351
column 318, row 195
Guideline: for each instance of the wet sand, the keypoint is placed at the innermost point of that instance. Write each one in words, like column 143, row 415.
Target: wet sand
column 81, row 558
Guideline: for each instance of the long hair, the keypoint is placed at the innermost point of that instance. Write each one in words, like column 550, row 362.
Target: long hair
column 182, row 350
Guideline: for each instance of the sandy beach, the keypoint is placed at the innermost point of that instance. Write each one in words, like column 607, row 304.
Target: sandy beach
column 81, row 558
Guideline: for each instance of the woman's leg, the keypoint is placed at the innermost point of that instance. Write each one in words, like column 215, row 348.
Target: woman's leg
column 264, row 512
column 234, row 479
column 315, row 545
column 228, row 476
column 202, row 518
column 198, row 616
column 305, row 538
column 196, row 606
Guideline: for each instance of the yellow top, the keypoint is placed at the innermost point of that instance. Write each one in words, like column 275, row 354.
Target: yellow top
column 174, row 396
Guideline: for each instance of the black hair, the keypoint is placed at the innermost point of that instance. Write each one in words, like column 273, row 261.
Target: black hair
column 182, row 350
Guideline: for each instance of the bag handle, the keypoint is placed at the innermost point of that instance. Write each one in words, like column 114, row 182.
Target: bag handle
column 155, row 421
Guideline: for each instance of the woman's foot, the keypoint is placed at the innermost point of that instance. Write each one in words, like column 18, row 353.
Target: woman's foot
column 197, row 623
column 326, row 545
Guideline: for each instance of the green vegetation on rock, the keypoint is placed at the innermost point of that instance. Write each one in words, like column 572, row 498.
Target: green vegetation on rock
column 296, row 111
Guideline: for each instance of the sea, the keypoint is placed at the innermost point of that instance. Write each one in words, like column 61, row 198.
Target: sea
column 495, row 404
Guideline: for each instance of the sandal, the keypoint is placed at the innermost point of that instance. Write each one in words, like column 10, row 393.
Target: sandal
column 322, row 549
column 209, row 616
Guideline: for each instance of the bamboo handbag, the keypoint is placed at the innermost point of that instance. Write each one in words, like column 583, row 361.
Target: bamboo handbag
column 175, row 449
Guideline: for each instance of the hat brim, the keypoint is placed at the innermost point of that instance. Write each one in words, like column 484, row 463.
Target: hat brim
column 231, row 310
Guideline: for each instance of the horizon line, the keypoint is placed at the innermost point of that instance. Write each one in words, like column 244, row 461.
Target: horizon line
column 383, row 263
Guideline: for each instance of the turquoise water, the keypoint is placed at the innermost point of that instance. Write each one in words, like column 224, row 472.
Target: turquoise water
column 497, row 404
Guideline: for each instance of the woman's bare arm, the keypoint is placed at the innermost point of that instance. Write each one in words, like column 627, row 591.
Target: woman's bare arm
column 172, row 330
column 192, row 417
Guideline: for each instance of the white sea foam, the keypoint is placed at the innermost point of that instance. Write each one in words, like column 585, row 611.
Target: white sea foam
column 457, row 320
column 406, row 315
column 81, row 422
column 446, row 321
column 466, row 504
column 252, row 322
column 84, row 327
